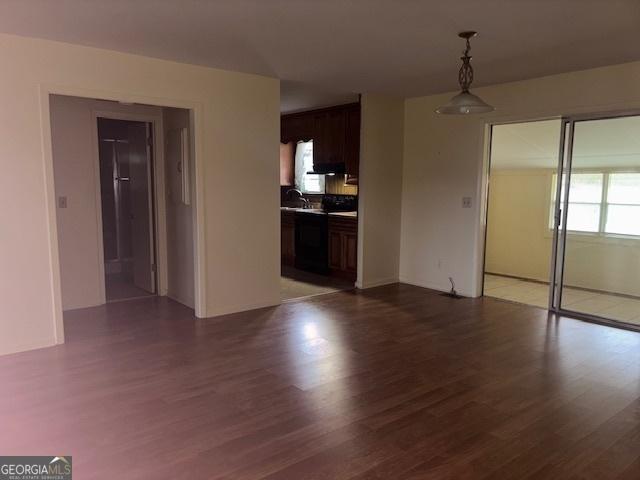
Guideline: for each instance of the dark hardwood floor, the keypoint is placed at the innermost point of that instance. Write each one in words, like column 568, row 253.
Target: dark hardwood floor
column 396, row 382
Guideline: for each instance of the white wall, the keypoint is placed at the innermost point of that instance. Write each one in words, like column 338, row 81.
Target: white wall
column 73, row 139
column 380, row 189
column 518, row 236
column 180, row 252
column 236, row 128
column 443, row 161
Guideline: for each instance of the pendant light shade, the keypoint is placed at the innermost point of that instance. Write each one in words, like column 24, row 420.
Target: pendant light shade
column 465, row 102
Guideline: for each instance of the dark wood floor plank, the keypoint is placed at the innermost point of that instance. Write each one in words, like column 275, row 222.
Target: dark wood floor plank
column 396, row 382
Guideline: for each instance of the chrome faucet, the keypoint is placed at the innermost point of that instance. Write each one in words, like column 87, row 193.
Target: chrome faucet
column 305, row 201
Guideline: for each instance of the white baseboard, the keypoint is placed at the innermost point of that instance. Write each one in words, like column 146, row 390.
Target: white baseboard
column 83, row 305
column 377, row 283
column 229, row 309
column 37, row 344
column 436, row 286
column 187, row 302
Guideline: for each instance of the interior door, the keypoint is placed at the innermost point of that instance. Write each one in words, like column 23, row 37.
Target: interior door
column 141, row 206
column 598, row 259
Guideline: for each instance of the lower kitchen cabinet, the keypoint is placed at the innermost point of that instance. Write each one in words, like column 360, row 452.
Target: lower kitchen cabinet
column 287, row 238
column 343, row 246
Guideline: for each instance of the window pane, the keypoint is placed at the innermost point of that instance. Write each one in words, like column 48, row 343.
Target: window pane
column 583, row 217
column 312, row 184
column 303, row 164
column 624, row 188
column 586, row 187
column 623, row 219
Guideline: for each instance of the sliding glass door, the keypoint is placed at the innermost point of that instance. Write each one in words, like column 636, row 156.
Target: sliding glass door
column 596, row 267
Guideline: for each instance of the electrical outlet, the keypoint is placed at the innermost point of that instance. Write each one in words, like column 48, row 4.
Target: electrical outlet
column 62, row 202
column 466, row 202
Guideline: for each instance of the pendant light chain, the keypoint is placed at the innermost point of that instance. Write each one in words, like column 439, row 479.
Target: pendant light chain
column 465, row 75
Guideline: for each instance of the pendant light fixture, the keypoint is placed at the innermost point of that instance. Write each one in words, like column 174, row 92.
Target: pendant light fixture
column 465, row 102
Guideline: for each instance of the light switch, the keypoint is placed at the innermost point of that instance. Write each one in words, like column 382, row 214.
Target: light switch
column 466, row 202
column 62, row 202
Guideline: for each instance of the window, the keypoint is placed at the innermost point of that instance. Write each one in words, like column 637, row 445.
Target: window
column 307, row 183
column 602, row 202
column 623, row 204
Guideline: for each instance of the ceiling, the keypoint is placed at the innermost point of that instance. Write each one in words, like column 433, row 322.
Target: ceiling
column 405, row 48
column 298, row 96
column 611, row 143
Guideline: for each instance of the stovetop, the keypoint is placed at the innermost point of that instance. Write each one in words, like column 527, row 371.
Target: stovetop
column 340, row 203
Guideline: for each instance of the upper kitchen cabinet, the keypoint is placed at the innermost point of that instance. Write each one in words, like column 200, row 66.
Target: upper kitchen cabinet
column 329, row 142
column 335, row 132
column 296, row 127
column 352, row 143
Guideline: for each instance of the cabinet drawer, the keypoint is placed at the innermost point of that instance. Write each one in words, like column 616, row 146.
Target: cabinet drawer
column 345, row 224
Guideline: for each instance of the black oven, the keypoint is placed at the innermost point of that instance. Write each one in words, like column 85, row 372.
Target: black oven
column 312, row 243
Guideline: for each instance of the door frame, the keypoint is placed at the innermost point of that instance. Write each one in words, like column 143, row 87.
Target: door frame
column 158, row 210
column 196, row 114
column 486, row 187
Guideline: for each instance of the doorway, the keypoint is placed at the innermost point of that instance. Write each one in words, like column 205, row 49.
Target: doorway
column 319, row 171
column 126, row 190
column 591, row 253
column 519, row 237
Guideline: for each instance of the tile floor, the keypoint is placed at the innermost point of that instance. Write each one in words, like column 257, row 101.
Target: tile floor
column 615, row 307
column 298, row 284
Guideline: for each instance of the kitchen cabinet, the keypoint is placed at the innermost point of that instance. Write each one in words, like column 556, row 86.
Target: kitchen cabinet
column 297, row 127
column 329, row 141
column 287, row 238
column 335, row 132
column 352, row 144
column 343, row 246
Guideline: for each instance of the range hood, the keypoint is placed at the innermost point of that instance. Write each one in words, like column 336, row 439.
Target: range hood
column 328, row 169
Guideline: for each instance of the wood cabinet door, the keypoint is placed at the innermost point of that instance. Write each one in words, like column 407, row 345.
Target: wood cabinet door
column 350, row 252
column 352, row 144
column 335, row 250
column 288, row 243
column 320, row 150
column 329, row 138
column 335, row 135
column 287, row 130
column 297, row 127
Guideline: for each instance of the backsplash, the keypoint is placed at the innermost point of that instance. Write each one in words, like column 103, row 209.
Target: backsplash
column 334, row 185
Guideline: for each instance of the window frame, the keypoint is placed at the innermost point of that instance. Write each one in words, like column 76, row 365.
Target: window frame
column 603, row 205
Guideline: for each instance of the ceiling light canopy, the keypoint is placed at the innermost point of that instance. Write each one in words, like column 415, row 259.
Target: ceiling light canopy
column 465, row 102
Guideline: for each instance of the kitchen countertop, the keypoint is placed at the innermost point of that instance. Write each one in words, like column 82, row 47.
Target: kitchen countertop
column 344, row 214
column 318, row 211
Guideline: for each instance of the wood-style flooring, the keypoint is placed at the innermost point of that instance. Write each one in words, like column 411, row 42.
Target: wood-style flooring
column 396, row 382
